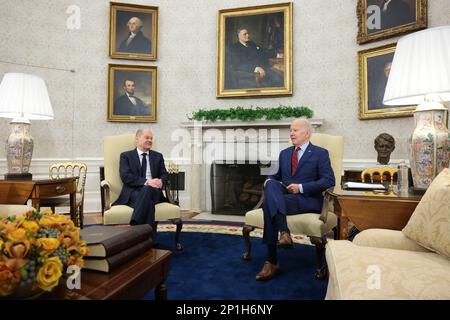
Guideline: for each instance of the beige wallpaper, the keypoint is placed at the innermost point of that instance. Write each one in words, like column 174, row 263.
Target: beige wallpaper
column 35, row 39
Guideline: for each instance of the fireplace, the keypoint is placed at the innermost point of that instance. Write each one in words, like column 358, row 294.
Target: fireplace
column 236, row 187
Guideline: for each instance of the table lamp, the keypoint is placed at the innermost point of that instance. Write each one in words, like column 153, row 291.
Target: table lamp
column 420, row 75
column 23, row 97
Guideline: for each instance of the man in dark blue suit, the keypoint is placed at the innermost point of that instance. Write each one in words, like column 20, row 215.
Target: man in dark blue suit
column 128, row 104
column 304, row 173
column 143, row 174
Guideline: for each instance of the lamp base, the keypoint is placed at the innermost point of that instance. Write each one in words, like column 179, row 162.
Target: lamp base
column 18, row 176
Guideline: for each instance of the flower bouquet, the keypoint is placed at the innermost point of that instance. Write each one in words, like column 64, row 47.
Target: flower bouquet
column 35, row 251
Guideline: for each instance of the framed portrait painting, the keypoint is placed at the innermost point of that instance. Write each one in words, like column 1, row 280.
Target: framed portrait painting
column 255, row 51
column 132, row 93
column 381, row 19
column 374, row 67
column 133, row 31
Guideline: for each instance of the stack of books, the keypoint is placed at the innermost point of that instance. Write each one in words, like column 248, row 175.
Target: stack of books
column 112, row 246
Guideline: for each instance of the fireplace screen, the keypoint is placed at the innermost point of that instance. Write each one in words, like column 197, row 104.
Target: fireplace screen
column 236, row 188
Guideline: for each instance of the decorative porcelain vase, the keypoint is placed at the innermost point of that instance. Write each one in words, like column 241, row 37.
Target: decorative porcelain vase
column 19, row 147
column 429, row 146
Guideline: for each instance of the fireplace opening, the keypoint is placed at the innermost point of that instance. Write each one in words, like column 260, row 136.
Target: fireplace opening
column 236, row 188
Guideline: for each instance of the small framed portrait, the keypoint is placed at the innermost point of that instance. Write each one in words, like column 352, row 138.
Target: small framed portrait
column 133, row 31
column 255, row 51
column 381, row 19
column 374, row 67
column 132, row 93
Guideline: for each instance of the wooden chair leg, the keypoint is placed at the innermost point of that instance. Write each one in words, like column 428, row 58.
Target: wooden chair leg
column 179, row 223
column 248, row 245
column 322, row 270
column 81, row 216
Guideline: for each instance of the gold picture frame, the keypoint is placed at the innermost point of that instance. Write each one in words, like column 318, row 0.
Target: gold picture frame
column 133, row 31
column 132, row 93
column 374, row 67
column 379, row 20
column 263, row 66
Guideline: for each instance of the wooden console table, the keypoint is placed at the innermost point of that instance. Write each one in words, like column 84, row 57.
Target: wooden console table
column 366, row 210
column 130, row 281
column 19, row 191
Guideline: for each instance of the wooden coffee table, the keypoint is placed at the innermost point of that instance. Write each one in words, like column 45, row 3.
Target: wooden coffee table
column 130, row 281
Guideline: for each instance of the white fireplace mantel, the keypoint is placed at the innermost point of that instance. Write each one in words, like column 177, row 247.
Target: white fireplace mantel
column 225, row 124
column 199, row 171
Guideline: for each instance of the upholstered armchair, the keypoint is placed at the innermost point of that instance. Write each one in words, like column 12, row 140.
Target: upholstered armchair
column 313, row 225
column 112, row 185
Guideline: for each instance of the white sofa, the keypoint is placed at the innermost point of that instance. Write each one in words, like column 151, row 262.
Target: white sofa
column 413, row 263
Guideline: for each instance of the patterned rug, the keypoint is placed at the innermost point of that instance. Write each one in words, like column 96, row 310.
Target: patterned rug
column 213, row 227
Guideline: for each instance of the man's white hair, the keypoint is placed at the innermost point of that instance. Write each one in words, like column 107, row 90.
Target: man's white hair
column 304, row 123
column 139, row 22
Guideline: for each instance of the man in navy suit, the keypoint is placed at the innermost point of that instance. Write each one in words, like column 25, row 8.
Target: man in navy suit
column 143, row 174
column 304, row 173
column 128, row 104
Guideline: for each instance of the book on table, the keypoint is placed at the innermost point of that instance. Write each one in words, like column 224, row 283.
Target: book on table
column 110, row 263
column 364, row 186
column 107, row 241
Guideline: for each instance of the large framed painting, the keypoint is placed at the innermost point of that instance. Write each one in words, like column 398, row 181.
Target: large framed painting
column 132, row 93
column 255, row 51
column 133, row 31
column 374, row 67
column 381, row 19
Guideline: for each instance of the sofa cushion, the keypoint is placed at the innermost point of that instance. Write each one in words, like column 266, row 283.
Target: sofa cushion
column 429, row 224
column 357, row 272
column 385, row 238
column 121, row 214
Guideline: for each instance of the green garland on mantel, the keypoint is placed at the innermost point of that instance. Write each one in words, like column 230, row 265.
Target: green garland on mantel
column 250, row 114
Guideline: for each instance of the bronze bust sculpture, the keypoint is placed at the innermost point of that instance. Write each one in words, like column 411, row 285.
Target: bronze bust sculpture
column 384, row 145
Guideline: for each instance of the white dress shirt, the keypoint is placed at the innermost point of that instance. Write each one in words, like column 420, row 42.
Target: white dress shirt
column 148, row 173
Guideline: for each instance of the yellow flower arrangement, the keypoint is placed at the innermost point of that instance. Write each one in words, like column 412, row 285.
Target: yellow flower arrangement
column 36, row 249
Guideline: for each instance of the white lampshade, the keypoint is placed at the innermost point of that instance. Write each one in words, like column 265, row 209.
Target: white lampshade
column 421, row 67
column 24, row 95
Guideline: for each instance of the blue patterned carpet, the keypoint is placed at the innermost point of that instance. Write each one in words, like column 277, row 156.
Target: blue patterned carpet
column 210, row 268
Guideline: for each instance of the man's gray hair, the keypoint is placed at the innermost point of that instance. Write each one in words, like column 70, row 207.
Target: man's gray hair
column 139, row 22
column 141, row 130
column 305, row 123
column 239, row 30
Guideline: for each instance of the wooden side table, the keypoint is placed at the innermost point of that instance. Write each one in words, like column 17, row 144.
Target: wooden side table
column 19, row 191
column 367, row 210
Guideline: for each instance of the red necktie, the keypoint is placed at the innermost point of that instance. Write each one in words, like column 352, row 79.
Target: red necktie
column 294, row 161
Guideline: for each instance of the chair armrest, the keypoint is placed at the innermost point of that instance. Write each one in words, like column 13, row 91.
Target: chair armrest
column 169, row 193
column 260, row 202
column 106, row 195
column 326, row 204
